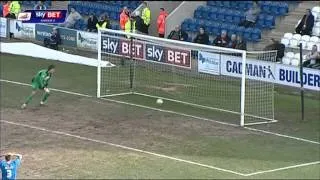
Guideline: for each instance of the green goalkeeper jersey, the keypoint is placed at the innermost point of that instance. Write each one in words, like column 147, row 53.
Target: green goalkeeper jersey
column 42, row 78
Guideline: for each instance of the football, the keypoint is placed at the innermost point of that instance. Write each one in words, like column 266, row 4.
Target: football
column 159, row 101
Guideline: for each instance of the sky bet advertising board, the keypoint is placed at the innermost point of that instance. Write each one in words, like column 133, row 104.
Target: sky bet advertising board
column 43, row 16
column 147, row 51
column 271, row 72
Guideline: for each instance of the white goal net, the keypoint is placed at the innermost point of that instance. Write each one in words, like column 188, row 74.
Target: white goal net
column 205, row 77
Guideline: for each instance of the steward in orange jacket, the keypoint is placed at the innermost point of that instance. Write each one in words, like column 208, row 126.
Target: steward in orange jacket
column 124, row 17
column 161, row 22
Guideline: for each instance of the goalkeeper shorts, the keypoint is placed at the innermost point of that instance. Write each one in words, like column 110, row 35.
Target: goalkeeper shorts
column 36, row 86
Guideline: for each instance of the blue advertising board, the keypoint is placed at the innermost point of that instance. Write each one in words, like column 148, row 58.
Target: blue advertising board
column 68, row 36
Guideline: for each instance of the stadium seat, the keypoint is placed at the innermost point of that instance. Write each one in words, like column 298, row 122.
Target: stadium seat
column 240, row 30
column 269, row 21
column 236, row 17
column 316, row 9
column 285, row 41
column 283, row 8
column 286, row 60
column 304, row 44
column 296, row 37
column 297, row 56
column 316, row 29
column 295, row 62
column 305, row 38
column 256, row 34
column 293, row 43
column 314, row 39
column 229, row 16
column 247, row 33
column 289, row 55
column 309, row 45
column 288, row 35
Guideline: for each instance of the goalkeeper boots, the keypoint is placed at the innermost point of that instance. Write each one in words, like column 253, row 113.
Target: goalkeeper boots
column 23, row 106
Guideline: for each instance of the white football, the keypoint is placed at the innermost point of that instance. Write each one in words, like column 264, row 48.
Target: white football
column 159, row 101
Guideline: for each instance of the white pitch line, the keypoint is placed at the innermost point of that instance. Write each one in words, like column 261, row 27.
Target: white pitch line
column 177, row 113
column 283, row 168
column 282, row 135
column 122, row 147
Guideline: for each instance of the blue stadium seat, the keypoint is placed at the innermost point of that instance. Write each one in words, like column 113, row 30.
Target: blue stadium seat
column 229, row 16
column 221, row 14
column 225, row 26
column 255, row 34
column 193, row 26
column 213, row 16
column 241, row 5
column 236, row 17
column 197, row 14
column 247, row 33
column 283, row 8
column 226, row 4
column 269, row 21
column 184, row 26
column 240, row 30
column 266, row 7
column 232, row 29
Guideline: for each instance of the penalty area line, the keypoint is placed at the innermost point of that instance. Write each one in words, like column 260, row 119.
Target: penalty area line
column 121, row 146
column 283, row 168
column 172, row 112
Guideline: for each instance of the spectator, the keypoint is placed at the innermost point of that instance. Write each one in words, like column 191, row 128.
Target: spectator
column 92, row 22
column 233, row 42
column 178, row 34
column 40, row 6
column 124, row 16
column 222, row 40
column 128, row 27
column 14, row 9
column 54, row 39
column 73, row 17
column 103, row 23
column 6, row 9
column 306, row 24
column 202, row 37
column 146, row 16
column 276, row 45
column 251, row 16
column 161, row 22
column 139, row 25
column 313, row 58
column 241, row 44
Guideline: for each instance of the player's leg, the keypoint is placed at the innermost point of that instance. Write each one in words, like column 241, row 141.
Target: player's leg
column 35, row 87
column 29, row 98
column 45, row 96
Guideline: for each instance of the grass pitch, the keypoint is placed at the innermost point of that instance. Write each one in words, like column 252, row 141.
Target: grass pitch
column 51, row 155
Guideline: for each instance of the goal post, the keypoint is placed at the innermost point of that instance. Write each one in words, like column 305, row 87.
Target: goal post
column 202, row 76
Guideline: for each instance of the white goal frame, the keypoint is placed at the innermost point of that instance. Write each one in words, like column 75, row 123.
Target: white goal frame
column 206, row 47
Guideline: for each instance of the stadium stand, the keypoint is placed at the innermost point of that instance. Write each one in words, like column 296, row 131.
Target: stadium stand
column 30, row 4
column 226, row 15
column 98, row 8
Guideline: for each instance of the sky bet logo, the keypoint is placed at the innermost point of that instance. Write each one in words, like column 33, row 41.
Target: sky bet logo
column 43, row 16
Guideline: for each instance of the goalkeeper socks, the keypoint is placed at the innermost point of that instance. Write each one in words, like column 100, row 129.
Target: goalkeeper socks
column 29, row 98
column 45, row 97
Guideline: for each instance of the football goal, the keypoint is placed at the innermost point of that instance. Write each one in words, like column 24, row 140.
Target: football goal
column 201, row 76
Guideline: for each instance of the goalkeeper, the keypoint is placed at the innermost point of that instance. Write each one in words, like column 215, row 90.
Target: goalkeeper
column 40, row 82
